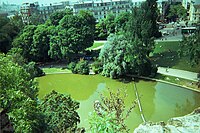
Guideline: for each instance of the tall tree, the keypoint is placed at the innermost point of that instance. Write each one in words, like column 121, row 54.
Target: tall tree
column 177, row 11
column 18, row 96
column 75, row 33
column 150, row 14
column 25, row 42
column 8, row 31
column 191, row 46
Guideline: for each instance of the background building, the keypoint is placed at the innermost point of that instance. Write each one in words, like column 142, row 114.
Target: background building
column 193, row 7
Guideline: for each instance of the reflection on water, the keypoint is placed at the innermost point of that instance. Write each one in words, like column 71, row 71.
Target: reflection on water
column 159, row 101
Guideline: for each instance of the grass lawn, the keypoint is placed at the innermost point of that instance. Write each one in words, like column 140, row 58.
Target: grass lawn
column 178, row 81
column 165, row 55
column 95, row 45
column 56, row 70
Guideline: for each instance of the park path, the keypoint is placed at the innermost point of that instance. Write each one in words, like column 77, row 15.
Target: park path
column 178, row 73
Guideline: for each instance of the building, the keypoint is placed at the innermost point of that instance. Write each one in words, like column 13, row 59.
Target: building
column 101, row 8
column 44, row 11
column 193, row 8
column 27, row 10
column 9, row 9
column 47, row 10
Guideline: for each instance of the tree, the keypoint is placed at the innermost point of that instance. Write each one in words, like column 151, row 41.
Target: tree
column 41, row 40
column 25, row 42
column 55, row 17
column 121, row 57
column 110, row 113
column 60, row 112
column 18, row 94
column 8, row 31
column 149, row 13
column 75, row 33
column 121, row 20
column 177, row 11
column 191, row 46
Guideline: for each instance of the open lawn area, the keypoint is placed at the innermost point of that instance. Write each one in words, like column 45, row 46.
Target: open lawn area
column 165, row 55
column 55, row 70
column 95, row 45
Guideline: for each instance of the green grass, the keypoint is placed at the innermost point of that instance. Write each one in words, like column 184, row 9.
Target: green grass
column 179, row 81
column 55, row 70
column 165, row 55
column 166, row 46
column 95, row 45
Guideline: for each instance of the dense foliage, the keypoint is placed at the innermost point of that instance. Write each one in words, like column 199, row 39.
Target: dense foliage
column 82, row 67
column 110, row 114
column 111, row 24
column 60, row 113
column 191, row 46
column 63, row 36
column 8, row 31
column 177, row 11
column 18, row 94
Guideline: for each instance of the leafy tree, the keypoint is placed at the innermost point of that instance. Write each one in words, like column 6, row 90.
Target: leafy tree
column 143, row 28
column 121, row 57
column 149, row 13
column 60, row 112
column 177, row 11
column 75, row 34
column 8, row 31
column 101, row 31
column 191, row 46
column 121, row 20
column 110, row 114
column 55, row 17
column 25, row 42
column 41, row 40
column 18, row 94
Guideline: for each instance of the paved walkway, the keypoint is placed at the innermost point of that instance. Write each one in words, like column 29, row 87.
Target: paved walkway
column 178, row 73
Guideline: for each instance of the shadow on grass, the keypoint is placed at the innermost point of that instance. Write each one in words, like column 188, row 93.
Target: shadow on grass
column 165, row 59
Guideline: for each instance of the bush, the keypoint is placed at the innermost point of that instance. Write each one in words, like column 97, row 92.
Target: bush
column 82, row 67
column 97, row 66
column 72, row 66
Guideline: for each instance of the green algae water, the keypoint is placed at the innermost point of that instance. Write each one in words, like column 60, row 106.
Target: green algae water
column 159, row 101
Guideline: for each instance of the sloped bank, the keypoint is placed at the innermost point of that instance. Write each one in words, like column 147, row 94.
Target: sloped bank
column 186, row 124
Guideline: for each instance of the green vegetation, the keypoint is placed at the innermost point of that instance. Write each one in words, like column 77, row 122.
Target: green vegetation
column 110, row 114
column 59, row 112
column 9, row 29
column 81, row 67
column 18, row 97
column 177, row 11
column 166, row 54
column 63, row 36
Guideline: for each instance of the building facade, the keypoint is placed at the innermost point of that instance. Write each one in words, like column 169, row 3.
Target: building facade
column 101, row 8
column 27, row 10
column 44, row 11
column 193, row 8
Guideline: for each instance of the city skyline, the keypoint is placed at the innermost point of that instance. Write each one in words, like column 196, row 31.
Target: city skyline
column 19, row 2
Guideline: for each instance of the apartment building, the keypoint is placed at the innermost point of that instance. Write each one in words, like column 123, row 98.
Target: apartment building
column 29, row 9
column 193, row 7
column 101, row 8
column 47, row 10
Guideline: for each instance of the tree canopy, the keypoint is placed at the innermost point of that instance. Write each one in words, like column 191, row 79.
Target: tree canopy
column 60, row 112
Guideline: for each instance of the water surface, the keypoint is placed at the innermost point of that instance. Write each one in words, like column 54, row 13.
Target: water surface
column 159, row 101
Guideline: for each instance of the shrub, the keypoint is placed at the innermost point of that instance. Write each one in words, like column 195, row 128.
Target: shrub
column 97, row 66
column 82, row 67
